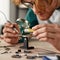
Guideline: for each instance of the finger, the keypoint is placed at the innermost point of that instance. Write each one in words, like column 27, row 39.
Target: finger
column 57, row 35
column 10, row 30
column 39, row 26
column 43, row 39
column 47, row 35
column 11, row 40
column 52, row 25
column 39, row 31
column 14, row 40
column 42, row 35
column 10, row 35
column 8, row 25
column 1, row 37
column 8, row 40
column 50, row 29
column 51, row 35
column 46, row 39
column 53, row 28
column 17, row 27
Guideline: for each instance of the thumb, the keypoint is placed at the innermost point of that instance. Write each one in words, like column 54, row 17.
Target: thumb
column 1, row 37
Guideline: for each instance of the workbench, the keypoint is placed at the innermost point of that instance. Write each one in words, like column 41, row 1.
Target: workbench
column 13, row 48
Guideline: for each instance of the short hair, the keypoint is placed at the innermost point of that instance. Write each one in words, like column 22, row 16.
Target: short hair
column 17, row 2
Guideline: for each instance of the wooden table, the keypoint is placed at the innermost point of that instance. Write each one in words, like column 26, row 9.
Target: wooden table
column 14, row 48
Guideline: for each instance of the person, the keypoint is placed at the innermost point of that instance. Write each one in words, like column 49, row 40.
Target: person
column 47, row 18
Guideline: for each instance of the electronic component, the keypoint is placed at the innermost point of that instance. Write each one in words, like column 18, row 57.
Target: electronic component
column 4, row 52
column 7, row 48
column 26, row 42
column 25, row 46
column 27, row 51
column 16, row 56
column 39, row 56
column 31, row 57
column 19, row 50
column 31, row 47
column 25, row 54
column 17, row 53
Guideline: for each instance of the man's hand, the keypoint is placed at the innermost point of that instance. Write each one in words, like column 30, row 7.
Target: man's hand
column 49, row 33
column 9, row 34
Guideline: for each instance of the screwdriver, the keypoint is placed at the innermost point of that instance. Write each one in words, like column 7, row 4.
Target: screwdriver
column 13, row 26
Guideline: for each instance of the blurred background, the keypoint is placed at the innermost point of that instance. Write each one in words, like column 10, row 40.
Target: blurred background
column 11, row 11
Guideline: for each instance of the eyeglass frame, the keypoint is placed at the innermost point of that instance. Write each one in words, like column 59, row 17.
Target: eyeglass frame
column 30, row 3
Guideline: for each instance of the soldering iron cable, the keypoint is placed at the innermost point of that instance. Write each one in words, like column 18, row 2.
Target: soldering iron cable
column 3, row 14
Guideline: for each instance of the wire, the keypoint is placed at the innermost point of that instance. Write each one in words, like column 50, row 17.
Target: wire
column 3, row 14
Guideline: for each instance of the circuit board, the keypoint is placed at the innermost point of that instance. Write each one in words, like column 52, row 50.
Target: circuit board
column 15, row 52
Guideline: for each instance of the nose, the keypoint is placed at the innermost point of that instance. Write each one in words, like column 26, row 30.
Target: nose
column 34, row 9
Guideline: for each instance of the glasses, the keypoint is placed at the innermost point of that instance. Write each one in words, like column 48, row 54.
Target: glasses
column 39, row 5
column 28, row 4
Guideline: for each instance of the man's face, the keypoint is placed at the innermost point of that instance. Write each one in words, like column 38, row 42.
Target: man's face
column 43, row 8
column 28, row 0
